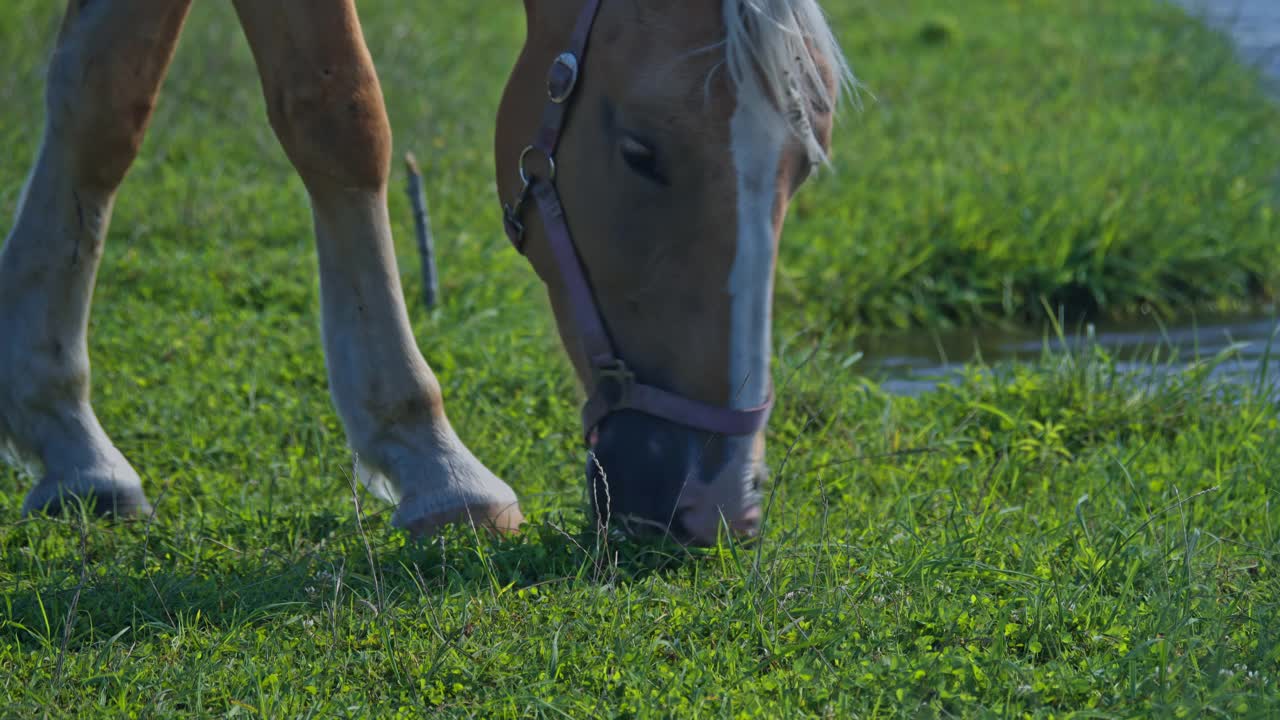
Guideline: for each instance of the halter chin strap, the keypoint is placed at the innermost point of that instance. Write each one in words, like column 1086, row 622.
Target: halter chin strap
column 614, row 386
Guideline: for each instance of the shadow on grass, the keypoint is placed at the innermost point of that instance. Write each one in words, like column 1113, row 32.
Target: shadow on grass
column 107, row 577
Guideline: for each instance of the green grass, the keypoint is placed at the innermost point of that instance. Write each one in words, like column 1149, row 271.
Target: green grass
column 1104, row 156
column 1035, row 540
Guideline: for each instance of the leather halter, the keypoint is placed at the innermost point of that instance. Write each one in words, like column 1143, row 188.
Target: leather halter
column 614, row 385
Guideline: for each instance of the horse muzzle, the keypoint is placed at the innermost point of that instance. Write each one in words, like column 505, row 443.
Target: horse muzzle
column 650, row 475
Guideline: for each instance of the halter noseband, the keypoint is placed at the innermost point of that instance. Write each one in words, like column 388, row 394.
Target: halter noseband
column 614, row 385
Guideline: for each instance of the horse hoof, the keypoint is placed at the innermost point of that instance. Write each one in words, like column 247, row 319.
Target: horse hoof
column 497, row 519
column 104, row 496
column 436, row 481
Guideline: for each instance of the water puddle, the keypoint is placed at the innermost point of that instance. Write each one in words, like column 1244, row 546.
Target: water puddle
column 1247, row 348
column 1254, row 25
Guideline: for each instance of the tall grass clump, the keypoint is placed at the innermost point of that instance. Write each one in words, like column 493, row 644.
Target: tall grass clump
column 1100, row 156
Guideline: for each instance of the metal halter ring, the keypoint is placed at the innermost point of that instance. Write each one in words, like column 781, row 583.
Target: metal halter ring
column 525, row 177
column 560, row 86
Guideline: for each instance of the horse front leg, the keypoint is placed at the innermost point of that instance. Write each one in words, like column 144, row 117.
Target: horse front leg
column 102, row 82
column 325, row 105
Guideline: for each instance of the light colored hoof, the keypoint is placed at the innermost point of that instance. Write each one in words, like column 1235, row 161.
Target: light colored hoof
column 499, row 519
column 436, row 481
column 103, row 494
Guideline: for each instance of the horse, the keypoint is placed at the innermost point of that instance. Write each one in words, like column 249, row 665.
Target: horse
column 646, row 152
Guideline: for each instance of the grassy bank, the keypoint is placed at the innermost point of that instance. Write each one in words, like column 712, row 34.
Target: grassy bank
column 1096, row 155
column 1032, row 541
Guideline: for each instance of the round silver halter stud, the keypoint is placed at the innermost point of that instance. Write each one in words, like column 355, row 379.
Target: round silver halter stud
column 525, row 177
column 562, row 78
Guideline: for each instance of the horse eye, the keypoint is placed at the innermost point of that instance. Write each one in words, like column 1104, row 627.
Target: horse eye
column 642, row 159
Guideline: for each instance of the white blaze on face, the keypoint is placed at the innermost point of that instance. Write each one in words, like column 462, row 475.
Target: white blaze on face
column 757, row 148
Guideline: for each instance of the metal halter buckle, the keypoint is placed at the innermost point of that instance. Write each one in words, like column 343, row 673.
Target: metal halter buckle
column 562, row 78
column 618, row 377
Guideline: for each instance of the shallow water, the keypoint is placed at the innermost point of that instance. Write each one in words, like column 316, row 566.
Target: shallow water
column 1253, row 24
column 1246, row 347
column 911, row 364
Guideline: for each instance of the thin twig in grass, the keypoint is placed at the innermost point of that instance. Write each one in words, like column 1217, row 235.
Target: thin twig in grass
column 69, row 623
column 422, row 232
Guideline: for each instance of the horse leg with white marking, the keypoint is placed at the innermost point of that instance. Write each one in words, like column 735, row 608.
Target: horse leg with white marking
column 103, row 77
column 325, row 104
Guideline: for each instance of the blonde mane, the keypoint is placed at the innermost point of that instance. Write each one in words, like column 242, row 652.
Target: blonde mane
column 781, row 55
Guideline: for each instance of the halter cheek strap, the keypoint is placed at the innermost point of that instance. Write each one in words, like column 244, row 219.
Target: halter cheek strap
column 614, row 386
